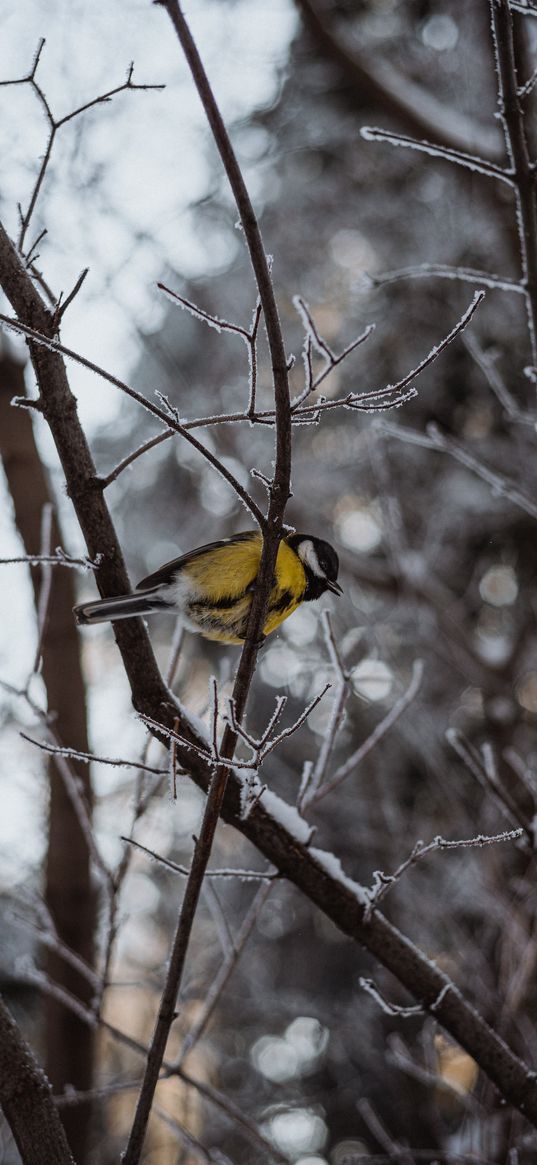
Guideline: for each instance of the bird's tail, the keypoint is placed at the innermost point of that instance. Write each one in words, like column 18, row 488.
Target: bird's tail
column 122, row 607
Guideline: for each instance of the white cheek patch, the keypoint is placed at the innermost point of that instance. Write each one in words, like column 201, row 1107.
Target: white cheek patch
column 307, row 552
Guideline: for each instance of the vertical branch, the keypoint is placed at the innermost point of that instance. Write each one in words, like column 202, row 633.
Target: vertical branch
column 512, row 118
column 279, row 494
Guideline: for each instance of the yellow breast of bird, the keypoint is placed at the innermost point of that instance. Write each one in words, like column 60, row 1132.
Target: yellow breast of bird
column 223, row 582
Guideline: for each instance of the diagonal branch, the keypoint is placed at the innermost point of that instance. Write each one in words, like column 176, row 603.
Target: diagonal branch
column 26, row 1099
column 373, row 133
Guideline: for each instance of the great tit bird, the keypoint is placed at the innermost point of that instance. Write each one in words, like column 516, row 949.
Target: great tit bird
column 211, row 588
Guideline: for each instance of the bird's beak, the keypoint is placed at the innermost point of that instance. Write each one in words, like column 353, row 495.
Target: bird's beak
column 334, row 587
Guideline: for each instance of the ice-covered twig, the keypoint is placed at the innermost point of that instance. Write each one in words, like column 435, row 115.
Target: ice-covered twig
column 393, row 394
column 286, row 732
column 214, row 712
column 213, row 460
column 382, row 882
column 315, row 340
column 242, row 875
column 59, row 558
column 381, row 729
column 373, row 400
column 369, row 986
column 249, row 337
column 214, row 755
column 434, row 439
column 442, row 271
column 91, row 757
column 256, row 744
column 168, row 416
column 145, row 447
column 524, row 7
column 473, row 162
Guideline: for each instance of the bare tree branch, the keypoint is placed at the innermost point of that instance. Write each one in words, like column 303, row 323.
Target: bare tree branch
column 26, row 1098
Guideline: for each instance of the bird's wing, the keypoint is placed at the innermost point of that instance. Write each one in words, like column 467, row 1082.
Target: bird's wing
column 238, row 564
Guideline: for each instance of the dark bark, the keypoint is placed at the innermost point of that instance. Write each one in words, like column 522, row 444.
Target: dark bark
column 26, row 1099
column 68, row 890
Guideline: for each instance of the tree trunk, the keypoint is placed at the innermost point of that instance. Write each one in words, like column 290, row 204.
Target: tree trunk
column 69, row 893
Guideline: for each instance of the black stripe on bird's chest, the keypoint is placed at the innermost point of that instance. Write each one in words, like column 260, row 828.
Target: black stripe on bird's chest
column 222, row 603
column 281, row 601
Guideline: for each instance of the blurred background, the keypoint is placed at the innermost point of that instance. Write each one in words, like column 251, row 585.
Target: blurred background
column 437, row 564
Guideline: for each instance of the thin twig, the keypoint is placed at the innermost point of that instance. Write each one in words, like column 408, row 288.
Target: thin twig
column 49, row 938
column 92, row 757
column 184, row 871
column 168, row 415
column 382, row 882
column 54, row 125
column 443, row 271
column 45, row 588
column 272, row 531
column 225, row 972
column 220, row 325
column 62, row 306
column 487, row 366
column 59, row 558
column 478, row 764
column 370, row 401
column 473, row 162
